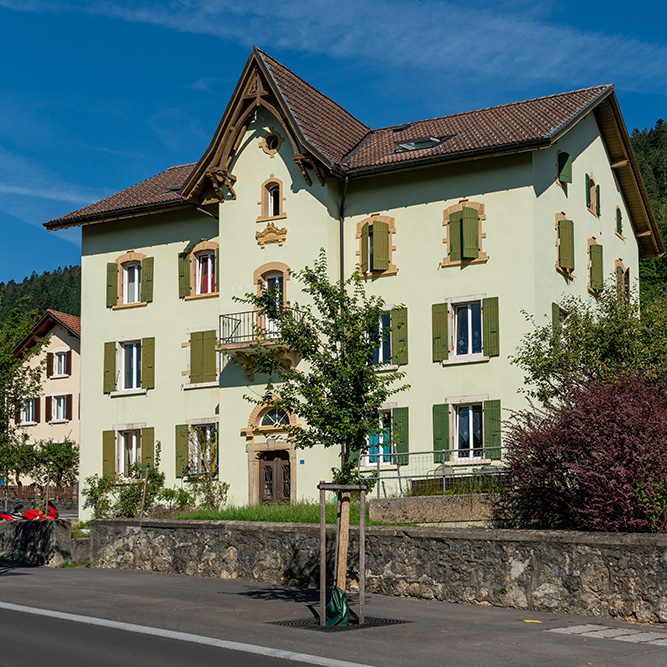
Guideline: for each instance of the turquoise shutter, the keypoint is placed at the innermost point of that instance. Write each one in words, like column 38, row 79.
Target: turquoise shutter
column 440, row 432
column 401, row 427
column 108, row 452
column 148, row 447
column 208, row 356
column 181, row 449
column 470, row 229
column 109, row 367
column 112, row 284
column 399, row 336
column 455, row 236
column 566, row 244
column 491, row 326
column 147, row 279
column 364, row 248
column 565, row 168
column 380, row 246
column 183, row 274
column 619, row 222
column 588, row 191
column 492, row 429
column 439, row 320
column 597, row 279
column 148, row 363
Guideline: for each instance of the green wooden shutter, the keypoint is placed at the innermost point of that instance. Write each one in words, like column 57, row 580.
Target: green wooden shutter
column 597, row 280
column 400, row 425
column 565, row 168
column 148, row 363
column 181, row 449
column 112, row 284
column 148, row 446
column 353, row 458
column 555, row 317
column 440, row 320
column 196, row 357
column 380, row 246
column 597, row 199
column 208, row 356
column 147, row 279
column 108, row 452
column 619, row 281
column 440, row 432
column 492, row 429
column 183, row 274
column 455, row 236
column 399, row 336
column 588, row 191
column 470, row 229
column 217, row 269
column 109, row 367
column 491, row 333
column 566, row 244
column 364, row 248
column 619, row 221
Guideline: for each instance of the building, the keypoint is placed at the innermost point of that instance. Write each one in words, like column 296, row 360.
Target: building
column 460, row 223
column 54, row 414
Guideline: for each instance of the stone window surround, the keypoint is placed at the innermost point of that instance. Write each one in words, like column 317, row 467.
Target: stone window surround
column 482, row 257
column 456, row 359
column 391, row 270
column 593, row 208
column 264, row 145
column 258, row 277
column 568, row 273
column 618, row 263
column 454, row 402
column 129, row 256
column 203, row 246
column 264, row 201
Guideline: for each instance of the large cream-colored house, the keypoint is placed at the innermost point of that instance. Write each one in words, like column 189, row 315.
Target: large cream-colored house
column 55, row 413
column 460, row 223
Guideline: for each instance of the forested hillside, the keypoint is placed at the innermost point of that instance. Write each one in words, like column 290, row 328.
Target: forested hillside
column 58, row 290
column 650, row 146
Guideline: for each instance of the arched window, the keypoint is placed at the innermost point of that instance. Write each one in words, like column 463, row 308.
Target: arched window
column 274, row 200
column 205, row 272
column 271, row 199
column 274, row 418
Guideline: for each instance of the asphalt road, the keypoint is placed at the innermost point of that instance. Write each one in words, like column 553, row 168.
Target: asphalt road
column 146, row 618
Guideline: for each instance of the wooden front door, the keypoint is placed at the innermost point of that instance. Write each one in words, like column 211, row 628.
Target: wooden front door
column 274, row 473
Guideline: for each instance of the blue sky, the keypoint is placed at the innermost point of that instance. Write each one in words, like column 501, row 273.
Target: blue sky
column 98, row 95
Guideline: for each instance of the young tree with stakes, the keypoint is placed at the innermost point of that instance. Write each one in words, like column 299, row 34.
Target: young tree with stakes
column 334, row 389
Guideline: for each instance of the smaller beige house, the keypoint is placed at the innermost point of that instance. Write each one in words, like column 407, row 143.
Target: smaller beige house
column 54, row 414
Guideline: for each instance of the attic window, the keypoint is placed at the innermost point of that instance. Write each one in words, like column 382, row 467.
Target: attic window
column 174, row 188
column 401, row 128
column 420, row 143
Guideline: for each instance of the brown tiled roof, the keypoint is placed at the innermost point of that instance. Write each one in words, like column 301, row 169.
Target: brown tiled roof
column 160, row 191
column 44, row 324
column 71, row 322
column 488, row 129
column 325, row 124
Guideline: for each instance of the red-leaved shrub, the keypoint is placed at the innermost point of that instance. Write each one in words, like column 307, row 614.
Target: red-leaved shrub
column 596, row 459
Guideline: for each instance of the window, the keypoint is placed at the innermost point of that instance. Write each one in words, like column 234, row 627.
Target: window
column 131, row 365
column 565, row 262
column 59, row 408
column 391, row 338
column 61, row 363
column 619, row 222
column 274, row 284
column 205, row 279
column 382, row 354
column 29, row 411
column 596, row 275
column 129, row 280
column 203, row 449
column 464, row 233
column 274, row 200
column 592, row 195
column 375, row 248
column 198, row 271
column 389, row 445
column 564, row 168
column 274, row 418
column 469, row 431
column 622, row 280
column 474, row 331
column 271, row 142
column 129, row 445
column 379, row 444
column 271, row 200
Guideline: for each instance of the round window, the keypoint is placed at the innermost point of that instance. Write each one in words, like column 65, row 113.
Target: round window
column 272, row 142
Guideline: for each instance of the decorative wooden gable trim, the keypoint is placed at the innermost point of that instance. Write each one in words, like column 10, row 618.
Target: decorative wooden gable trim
column 255, row 90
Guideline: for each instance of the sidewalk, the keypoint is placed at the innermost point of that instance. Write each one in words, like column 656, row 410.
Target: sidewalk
column 431, row 632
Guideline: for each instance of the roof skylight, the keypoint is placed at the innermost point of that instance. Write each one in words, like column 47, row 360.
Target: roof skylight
column 420, row 143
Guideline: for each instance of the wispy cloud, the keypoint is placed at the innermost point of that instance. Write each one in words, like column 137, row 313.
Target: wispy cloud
column 516, row 41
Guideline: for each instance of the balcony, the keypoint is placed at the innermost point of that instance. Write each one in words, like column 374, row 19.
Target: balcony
column 244, row 334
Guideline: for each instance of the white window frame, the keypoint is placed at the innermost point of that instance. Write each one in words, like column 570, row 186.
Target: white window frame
column 195, row 463
column 60, row 364
column 273, row 327
column 203, row 259
column 275, row 424
column 28, row 412
column 381, row 361
column 452, row 304
column 470, row 332
column 468, row 454
column 387, row 458
column 59, row 408
column 131, row 295
column 273, row 200
column 130, row 353
column 122, row 436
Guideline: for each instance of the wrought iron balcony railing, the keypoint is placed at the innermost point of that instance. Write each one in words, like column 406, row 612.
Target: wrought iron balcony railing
column 244, row 329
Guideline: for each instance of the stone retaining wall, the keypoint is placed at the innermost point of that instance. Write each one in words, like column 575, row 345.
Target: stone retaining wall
column 36, row 542
column 622, row 576
column 466, row 509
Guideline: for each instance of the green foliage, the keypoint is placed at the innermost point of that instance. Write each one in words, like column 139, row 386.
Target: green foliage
column 335, row 392
column 207, row 491
column 600, row 339
column 653, row 497
column 57, row 462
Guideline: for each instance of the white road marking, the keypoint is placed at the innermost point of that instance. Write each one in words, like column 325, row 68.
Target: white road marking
column 609, row 633
column 641, row 637
column 184, row 636
column 577, row 629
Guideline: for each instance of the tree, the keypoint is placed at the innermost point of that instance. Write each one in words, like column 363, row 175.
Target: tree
column 334, row 390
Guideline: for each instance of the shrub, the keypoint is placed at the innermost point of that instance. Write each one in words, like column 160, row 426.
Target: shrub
column 595, row 459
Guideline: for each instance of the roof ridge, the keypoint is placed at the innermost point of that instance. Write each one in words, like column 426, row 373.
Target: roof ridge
column 498, row 106
column 319, row 92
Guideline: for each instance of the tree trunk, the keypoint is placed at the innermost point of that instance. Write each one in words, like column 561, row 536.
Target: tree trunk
column 344, row 540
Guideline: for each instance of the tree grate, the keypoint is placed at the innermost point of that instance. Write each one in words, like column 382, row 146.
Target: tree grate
column 313, row 623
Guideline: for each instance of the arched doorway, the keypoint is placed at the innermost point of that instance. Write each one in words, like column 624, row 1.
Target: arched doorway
column 275, row 477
